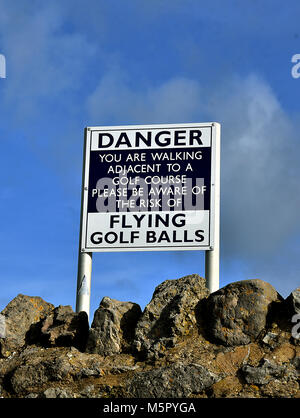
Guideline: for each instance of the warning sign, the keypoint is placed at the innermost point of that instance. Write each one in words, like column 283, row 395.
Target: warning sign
column 149, row 187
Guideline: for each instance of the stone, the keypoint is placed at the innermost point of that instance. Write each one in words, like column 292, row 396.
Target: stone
column 292, row 303
column 296, row 364
column 56, row 393
column 262, row 374
column 41, row 366
column 61, row 328
column 270, row 339
column 113, row 327
column 32, row 396
column 238, row 313
column 229, row 387
column 170, row 315
column 282, row 354
column 231, row 361
column 19, row 315
column 36, row 373
column 280, row 389
column 175, row 381
column 87, row 391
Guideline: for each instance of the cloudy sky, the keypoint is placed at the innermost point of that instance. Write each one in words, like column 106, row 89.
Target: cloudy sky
column 73, row 64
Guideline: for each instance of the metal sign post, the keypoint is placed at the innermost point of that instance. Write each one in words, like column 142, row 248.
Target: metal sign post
column 149, row 188
column 84, row 275
column 212, row 257
column 84, row 282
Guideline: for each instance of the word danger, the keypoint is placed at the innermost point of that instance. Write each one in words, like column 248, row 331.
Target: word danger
column 163, row 138
column 130, row 232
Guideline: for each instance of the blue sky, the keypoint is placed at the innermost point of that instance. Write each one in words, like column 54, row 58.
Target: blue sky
column 73, row 64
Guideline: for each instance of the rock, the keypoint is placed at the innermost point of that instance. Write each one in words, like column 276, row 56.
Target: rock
column 296, row 364
column 237, row 313
column 229, row 387
column 176, row 381
column 61, row 328
column 170, row 315
column 32, row 395
column 182, row 360
column 19, row 315
column 292, row 303
column 231, row 361
column 56, row 393
column 94, row 371
column 87, row 391
column 270, row 339
column 280, row 389
column 2, row 326
column 36, row 374
column 113, row 327
column 263, row 374
column 283, row 353
column 39, row 367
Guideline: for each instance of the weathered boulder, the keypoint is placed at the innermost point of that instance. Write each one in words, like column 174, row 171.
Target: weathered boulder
column 38, row 367
column 237, row 313
column 18, row 316
column 175, row 381
column 62, row 327
column 170, row 315
column 113, row 327
column 292, row 303
column 264, row 373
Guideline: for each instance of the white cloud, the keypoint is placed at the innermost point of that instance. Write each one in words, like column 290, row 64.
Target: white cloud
column 113, row 101
column 44, row 59
column 260, row 172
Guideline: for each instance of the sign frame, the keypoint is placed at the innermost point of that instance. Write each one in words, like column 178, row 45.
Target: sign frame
column 170, row 247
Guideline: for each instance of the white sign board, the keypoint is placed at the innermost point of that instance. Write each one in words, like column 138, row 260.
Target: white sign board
column 149, row 187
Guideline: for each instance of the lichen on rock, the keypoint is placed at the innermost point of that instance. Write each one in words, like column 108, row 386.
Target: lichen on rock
column 170, row 315
column 113, row 327
column 236, row 342
column 238, row 313
column 19, row 315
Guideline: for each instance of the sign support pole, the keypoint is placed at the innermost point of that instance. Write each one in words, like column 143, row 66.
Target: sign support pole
column 212, row 257
column 83, row 292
